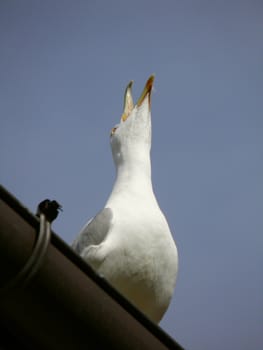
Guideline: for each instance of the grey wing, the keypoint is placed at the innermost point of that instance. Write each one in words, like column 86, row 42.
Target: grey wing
column 95, row 231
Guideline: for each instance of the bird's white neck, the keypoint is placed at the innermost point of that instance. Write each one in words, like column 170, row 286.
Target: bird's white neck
column 134, row 174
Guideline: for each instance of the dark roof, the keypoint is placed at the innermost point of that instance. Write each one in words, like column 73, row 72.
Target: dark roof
column 66, row 304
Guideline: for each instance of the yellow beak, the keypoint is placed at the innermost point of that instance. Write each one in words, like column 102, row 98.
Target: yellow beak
column 128, row 102
column 146, row 91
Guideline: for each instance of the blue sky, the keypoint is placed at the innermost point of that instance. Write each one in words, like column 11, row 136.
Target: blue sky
column 64, row 66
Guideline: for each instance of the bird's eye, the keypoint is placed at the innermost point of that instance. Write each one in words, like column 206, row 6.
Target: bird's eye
column 113, row 130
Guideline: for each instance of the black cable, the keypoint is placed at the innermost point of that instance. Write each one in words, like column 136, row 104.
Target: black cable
column 47, row 212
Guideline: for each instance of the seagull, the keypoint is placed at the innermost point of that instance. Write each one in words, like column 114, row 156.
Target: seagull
column 129, row 242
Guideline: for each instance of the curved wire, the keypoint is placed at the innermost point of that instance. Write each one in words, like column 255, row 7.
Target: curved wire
column 34, row 262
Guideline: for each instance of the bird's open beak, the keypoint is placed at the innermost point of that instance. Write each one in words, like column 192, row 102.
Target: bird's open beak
column 128, row 102
column 146, row 91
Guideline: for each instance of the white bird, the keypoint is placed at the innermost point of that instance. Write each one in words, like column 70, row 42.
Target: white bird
column 129, row 242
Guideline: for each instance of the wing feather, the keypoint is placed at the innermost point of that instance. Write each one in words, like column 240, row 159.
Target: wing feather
column 95, row 231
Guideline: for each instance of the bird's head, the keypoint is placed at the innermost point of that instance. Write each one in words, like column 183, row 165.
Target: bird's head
column 131, row 138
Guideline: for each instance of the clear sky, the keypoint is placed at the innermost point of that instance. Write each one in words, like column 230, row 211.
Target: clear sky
column 64, row 66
